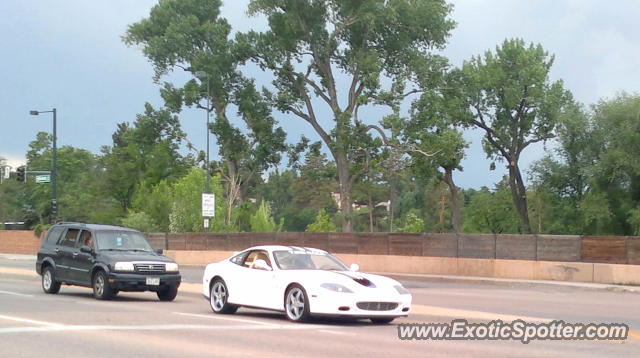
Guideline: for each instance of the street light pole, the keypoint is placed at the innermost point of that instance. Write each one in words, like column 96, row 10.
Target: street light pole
column 203, row 75
column 54, row 171
column 54, row 163
column 207, row 188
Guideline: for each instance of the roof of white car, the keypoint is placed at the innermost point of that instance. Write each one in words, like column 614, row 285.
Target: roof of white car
column 282, row 247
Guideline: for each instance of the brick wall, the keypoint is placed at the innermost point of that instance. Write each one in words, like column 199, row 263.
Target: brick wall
column 567, row 248
column 18, row 242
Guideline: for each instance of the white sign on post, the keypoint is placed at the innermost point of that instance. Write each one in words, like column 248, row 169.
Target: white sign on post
column 208, row 205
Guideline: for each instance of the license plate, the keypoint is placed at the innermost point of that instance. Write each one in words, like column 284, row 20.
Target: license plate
column 153, row 281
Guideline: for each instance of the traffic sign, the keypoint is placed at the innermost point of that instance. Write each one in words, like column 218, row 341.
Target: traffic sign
column 208, row 205
column 41, row 179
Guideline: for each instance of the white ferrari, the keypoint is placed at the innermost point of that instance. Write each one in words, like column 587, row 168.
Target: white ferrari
column 302, row 282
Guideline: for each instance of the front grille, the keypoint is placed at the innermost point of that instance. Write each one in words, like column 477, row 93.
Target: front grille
column 153, row 268
column 377, row 306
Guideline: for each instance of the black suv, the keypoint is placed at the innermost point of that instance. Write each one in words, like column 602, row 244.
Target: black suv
column 107, row 258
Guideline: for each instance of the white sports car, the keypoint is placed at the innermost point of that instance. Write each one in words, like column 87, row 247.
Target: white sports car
column 302, row 282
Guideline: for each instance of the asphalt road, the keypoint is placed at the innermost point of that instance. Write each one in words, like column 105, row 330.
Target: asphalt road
column 73, row 324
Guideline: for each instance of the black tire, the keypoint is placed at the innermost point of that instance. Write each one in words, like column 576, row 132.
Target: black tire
column 381, row 320
column 296, row 304
column 168, row 294
column 49, row 283
column 101, row 287
column 218, row 298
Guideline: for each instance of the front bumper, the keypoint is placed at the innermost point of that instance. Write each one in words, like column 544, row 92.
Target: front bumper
column 323, row 302
column 137, row 282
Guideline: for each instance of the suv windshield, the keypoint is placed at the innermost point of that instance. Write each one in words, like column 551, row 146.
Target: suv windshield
column 307, row 260
column 122, row 240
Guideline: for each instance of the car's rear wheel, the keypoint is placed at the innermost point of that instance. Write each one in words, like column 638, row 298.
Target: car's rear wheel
column 218, row 298
column 168, row 294
column 296, row 304
column 49, row 283
column 101, row 287
column 381, row 320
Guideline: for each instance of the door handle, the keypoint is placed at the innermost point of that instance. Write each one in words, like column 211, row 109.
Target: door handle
column 75, row 254
column 57, row 250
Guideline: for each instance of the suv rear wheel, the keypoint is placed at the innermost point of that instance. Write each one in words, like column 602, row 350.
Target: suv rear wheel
column 49, row 283
column 101, row 287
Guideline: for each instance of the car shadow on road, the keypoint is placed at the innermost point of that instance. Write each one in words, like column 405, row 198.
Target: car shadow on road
column 127, row 297
column 328, row 321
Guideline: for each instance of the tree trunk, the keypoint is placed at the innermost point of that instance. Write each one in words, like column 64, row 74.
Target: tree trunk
column 345, row 191
column 370, row 213
column 519, row 196
column 455, row 205
column 391, row 213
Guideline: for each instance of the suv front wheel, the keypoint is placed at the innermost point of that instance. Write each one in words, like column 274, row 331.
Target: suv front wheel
column 49, row 283
column 101, row 287
column 168, row 294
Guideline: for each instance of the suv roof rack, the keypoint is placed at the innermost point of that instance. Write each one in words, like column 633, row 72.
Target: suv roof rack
column 69, row 222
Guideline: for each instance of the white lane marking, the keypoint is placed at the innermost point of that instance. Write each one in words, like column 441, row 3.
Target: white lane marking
column 32, row 321
column 470, row 314
column 211, row 316
column 336, row 332
column 166, row 327
column 15, row 294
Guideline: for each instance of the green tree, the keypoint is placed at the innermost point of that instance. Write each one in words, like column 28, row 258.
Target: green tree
column 491, row 211
column 411, row 223
column 262, row 221
column 80, row 180
column 191, row 35
column 144, row 153
column 141, row 221
column 322, row 223
column 313, row 46
column 514, row 102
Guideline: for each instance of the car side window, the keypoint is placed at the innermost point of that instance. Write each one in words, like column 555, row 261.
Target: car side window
column 69, row 238
column 239, row 258
column 85, row 239
column 256, row 255
column 53, row 235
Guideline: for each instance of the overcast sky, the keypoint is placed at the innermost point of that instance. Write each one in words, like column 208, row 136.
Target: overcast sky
column 69, row 55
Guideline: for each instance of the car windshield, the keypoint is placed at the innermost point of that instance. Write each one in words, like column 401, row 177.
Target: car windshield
column 307, row 260
column 122, row 240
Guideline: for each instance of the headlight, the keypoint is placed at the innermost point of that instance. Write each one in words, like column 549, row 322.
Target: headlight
column 335, row 287
column 123, row 266
column 401, row 290
column 171, row 267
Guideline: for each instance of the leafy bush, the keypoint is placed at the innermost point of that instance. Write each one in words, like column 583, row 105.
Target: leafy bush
column 322, row 223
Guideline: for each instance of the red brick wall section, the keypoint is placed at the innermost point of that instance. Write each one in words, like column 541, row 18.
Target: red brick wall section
column 18, row 242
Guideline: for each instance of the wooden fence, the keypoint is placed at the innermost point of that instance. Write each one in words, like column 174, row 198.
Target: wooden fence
column 570, row 248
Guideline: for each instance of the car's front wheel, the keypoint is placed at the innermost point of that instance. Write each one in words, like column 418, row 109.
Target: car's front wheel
column 296, row 304
column 49, row 283
column 218, row 298
column 101, row 287
column 168, row 294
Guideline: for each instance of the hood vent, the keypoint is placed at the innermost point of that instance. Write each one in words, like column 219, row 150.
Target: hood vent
column 359, row 279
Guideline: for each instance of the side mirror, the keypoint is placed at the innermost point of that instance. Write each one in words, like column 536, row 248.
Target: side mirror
column 86, row 249
column 261, row 265
column 159, row 251
column 354, row 267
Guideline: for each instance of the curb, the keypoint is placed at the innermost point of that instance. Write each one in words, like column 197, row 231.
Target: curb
column 509, row 282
